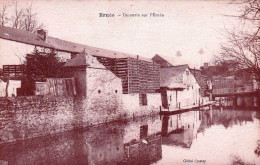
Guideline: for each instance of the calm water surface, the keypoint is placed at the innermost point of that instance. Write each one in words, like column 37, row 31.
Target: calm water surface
column 213, row 136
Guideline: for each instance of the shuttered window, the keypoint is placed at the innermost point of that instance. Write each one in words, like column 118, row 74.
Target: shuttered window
column 143, row 99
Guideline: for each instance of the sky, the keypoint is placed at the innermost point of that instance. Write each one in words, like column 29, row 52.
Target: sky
column 187, row 26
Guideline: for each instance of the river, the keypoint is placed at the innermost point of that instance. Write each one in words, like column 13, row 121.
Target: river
column 194, row 137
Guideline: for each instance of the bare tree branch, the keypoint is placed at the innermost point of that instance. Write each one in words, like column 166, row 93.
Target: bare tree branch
column 243, row 46
column 23, row 18
column 3, row 15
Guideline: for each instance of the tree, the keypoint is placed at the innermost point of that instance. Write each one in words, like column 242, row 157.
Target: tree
column 42, row 65
column 22, row 18
column 39, row 66
column 243, row 46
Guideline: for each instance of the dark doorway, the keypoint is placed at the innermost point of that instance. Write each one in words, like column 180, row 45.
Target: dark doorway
column 164, row 98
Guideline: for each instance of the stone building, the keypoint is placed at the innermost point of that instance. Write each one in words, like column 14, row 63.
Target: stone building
column 180, row 85
column 203, row 80
column 101, row 88
column 140, row 76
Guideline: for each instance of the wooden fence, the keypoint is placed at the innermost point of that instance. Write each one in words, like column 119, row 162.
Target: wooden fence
column 56, row 87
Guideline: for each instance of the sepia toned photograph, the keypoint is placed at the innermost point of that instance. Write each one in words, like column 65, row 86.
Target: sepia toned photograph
column 131, row 82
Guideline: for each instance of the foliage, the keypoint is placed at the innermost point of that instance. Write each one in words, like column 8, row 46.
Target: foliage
column 41, row 65
column 221, row 68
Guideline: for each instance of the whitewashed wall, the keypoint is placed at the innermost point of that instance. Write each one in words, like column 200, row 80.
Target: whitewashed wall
column 188, row 96
column 130, row 104
column 14, row 53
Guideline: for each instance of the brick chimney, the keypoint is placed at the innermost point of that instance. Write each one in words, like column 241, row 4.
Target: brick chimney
column 206, row 65
column 42, row 34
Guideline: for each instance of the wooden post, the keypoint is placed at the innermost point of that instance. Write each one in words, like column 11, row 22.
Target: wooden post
column 176, row 98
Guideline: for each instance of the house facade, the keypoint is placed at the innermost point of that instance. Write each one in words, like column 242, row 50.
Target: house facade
column 178, row 85
column 179, row 88
column 238, row 90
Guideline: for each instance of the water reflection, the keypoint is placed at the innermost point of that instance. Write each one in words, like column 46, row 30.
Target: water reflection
column 181, row 129
column 132, row 142
column 147, row 140
column 216, row 136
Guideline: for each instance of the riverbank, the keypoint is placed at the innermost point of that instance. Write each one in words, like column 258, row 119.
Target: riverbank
column 203, row 107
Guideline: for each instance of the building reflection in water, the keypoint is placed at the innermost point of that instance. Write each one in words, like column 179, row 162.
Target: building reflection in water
column 184, row 135
column 137, row 142
column 132, row 142
column 181, row 129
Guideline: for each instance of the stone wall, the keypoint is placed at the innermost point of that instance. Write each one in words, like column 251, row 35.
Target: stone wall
column 104, row 90
column 132, row 108
column 103, row 94
column 79, row 73
column 100, row 96
column 27, row 117
column 33, row 116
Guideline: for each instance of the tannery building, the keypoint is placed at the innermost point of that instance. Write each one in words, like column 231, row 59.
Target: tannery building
column 135, row 79
column 179, row 88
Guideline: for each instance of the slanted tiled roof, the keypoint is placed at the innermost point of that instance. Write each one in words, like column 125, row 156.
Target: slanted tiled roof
column 169, row 76
column 79, row 60
column 84, row 59
column 60, row 45
column 166, row 61
column 161, row 61
column 25, row 37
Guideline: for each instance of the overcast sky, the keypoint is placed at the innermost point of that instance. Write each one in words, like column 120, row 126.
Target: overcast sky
column 187, row 26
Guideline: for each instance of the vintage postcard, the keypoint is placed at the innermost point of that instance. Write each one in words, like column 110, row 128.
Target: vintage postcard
column 131, row 82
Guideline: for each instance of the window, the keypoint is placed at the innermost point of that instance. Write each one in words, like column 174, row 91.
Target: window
column 143, row 99
column 143, row 131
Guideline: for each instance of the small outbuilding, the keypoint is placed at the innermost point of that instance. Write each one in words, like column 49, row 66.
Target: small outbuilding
column 179, row 87
column 101, row 88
